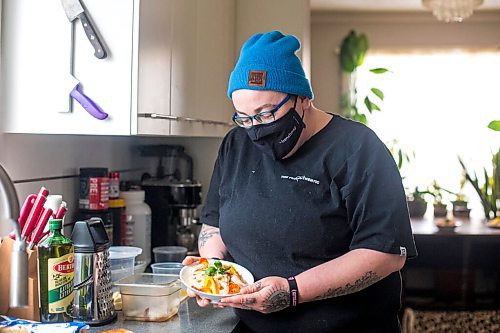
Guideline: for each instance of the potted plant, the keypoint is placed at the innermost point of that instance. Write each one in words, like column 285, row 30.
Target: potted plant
column 417, row 205
column 487, row 187
column 460, row 204
column 440, row 207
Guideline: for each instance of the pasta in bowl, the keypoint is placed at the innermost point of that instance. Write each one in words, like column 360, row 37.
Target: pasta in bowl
column 215, row 279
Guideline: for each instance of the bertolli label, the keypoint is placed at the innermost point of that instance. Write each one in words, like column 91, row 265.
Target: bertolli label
column 60, row 277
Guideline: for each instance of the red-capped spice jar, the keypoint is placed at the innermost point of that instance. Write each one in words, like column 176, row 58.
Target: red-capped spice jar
column 94, row 189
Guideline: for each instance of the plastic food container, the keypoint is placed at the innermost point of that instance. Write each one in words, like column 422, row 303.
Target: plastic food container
column 167, row 268
column 122, row 261
column 170, row 253
column 150, row 297
column 140, row 266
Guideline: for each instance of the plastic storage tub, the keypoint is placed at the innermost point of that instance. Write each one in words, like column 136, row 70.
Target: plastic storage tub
column 167, row 268
column 122, row 261
column 140, row 266
column 150, row 297
column 169, row 253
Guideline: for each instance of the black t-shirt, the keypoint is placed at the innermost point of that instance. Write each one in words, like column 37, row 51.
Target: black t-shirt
column 340, row 191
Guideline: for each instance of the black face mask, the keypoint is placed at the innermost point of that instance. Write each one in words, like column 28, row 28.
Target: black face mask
column 278, row 138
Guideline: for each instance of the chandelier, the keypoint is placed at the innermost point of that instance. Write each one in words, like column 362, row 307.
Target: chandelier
column 452, row 10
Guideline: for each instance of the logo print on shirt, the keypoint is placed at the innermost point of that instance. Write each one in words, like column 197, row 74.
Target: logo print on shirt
column 402, row 249
column 304, row 178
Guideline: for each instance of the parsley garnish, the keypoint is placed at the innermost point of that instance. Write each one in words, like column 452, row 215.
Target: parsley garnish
column 216, row 268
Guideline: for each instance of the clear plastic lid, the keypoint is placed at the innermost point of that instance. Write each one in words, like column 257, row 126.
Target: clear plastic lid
column 124, row 252
column 147, row 284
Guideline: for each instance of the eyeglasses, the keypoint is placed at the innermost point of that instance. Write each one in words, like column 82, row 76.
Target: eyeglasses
column 264, row 117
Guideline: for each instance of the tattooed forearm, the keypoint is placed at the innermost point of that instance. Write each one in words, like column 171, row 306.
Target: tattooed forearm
column 276, row 299
column 366, row 280
column 206, row 233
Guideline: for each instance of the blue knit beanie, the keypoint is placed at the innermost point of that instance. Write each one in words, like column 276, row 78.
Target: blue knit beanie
column 268, row 62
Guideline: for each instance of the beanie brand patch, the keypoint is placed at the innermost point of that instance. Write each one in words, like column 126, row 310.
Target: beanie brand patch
column 257, row 78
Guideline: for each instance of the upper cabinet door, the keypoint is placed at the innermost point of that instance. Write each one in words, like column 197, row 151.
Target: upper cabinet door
column 152, row 67
column 36, row 42
column 203, row 36
column 108, row 81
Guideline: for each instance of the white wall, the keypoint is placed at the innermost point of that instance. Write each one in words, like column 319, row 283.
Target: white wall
column 388, row 31
column 288, row 16
column 40, row 156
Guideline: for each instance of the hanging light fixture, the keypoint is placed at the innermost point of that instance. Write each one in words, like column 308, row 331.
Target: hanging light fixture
column 452, row 10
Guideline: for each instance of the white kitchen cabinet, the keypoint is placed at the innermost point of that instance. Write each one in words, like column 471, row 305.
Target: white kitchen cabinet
column 166, row 71
column 202, row 59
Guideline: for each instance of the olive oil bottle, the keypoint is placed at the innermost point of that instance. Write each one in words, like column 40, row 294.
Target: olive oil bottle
column 56, row 256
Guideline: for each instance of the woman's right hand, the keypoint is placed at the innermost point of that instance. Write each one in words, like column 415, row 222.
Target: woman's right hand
column 203, row 302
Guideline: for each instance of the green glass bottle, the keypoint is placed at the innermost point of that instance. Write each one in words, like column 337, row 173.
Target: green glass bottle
column 56, row 255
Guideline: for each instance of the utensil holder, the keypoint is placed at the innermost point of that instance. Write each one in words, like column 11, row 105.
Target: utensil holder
column 32, row 311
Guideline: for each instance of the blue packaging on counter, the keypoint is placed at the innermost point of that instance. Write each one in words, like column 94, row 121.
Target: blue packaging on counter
column 33, row 327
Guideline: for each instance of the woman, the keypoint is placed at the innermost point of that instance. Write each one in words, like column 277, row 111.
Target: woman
column 311, row 203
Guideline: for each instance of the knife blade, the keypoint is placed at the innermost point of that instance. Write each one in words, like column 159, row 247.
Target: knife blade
column 74, row 10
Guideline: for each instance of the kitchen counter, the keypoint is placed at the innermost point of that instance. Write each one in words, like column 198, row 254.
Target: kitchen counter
column 191, row 318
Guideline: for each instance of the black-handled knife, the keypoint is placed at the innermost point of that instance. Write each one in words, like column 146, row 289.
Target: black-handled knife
column 73, row 10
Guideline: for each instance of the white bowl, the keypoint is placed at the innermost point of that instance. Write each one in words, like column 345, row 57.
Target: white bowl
column 186, row 275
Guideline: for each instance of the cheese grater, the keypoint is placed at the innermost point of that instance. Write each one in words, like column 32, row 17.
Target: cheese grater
column 93, row 301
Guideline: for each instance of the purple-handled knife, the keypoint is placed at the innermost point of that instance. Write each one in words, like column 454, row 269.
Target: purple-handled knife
column 85, row 101
column 73, row 10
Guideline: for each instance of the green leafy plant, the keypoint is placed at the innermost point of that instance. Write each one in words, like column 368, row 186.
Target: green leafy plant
column 487, row 187
column 438, row 193
column 352, row 54
column 400, row 156
column 440, row 201
column 417, row 194
column 460, row 202
column 494, row 125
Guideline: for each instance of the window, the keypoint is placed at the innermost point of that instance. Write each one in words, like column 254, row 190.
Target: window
column 438, row 105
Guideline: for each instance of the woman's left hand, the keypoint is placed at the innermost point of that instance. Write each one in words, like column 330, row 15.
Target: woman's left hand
column 268, row 295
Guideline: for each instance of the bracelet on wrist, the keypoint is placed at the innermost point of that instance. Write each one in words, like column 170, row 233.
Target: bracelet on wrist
column 294, row 291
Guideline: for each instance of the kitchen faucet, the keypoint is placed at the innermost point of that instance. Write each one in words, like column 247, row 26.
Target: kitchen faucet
column 19, row 256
